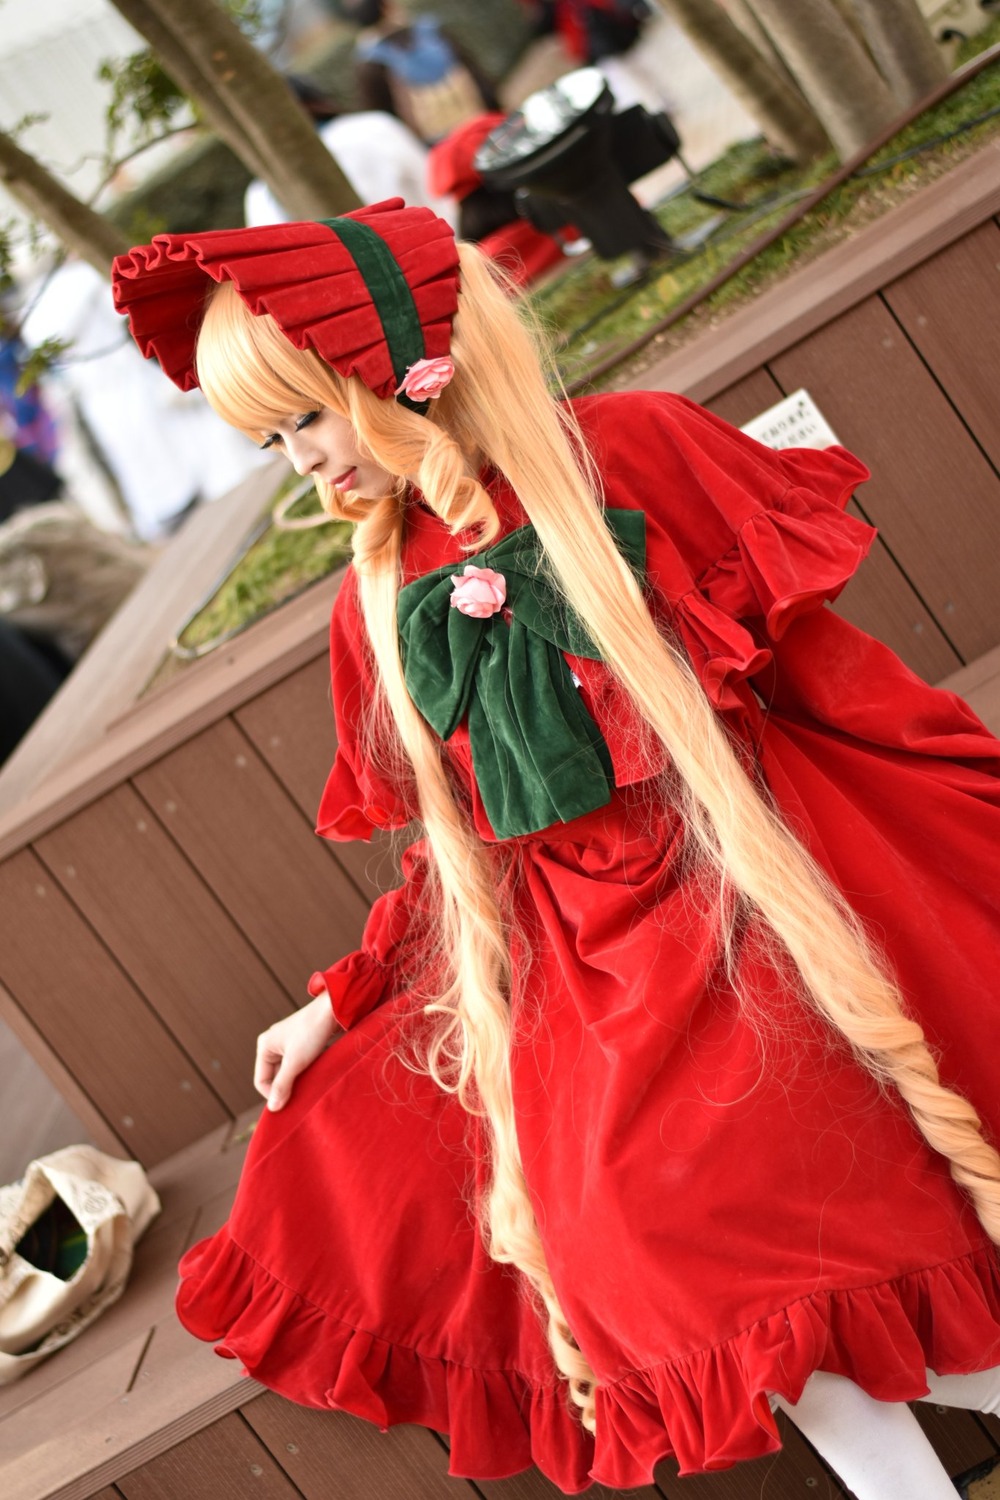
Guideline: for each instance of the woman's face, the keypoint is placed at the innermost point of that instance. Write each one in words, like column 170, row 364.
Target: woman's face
column 322, row 444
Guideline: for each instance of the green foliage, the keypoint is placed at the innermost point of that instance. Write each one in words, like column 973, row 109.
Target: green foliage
column 248, row 15
column 25, row 123
column 39, row 361
column 144, row 95
column 19, row 239
column 141, row 93
column 8, row 245
column 201, row 187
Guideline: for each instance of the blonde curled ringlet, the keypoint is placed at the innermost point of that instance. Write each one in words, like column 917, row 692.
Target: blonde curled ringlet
column 498, row 410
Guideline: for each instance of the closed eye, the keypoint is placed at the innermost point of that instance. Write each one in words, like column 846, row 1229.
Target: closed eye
column 274, row 438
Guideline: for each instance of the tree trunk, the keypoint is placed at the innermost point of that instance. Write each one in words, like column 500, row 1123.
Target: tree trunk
column 783, row 115
column 834, row 71
column 245, row 100
column 850, row 17
column 191, row 76
column 741, row 13
column 900, row 41
column 80, row 228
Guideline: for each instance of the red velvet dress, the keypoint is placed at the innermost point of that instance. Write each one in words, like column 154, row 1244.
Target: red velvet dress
column 725, row 1207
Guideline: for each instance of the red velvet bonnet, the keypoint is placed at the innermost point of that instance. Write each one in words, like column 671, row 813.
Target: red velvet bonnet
column 351, row 306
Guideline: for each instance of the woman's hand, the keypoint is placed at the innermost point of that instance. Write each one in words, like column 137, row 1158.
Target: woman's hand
column 287, row 1048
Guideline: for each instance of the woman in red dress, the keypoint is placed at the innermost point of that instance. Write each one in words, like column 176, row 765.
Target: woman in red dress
column 681, row 1009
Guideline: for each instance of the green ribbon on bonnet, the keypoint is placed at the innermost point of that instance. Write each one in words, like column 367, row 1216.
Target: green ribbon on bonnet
column 537, row 755
column 391, row 297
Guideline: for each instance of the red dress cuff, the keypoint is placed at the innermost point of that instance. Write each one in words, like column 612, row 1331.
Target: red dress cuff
column 721, row 650
column 355, row 985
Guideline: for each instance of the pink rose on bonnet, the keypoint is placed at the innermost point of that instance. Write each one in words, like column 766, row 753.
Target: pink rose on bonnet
column 426, row 379
column 478, row 592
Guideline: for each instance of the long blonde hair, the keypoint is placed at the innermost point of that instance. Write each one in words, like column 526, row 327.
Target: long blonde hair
column 499, row 409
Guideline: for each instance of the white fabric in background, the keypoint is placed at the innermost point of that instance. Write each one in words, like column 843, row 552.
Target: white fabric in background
column 164, row 447
column 379, row 156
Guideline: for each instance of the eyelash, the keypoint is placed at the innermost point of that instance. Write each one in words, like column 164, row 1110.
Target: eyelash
column 275, row 437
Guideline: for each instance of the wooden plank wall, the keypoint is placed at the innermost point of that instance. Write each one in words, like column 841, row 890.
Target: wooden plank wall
column 907, row 379
column 154, row 933
column 286, row 1452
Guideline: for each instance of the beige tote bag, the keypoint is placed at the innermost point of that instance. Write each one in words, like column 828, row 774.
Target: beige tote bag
column 66, row 1235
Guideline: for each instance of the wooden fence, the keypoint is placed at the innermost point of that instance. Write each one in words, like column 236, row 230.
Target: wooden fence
column 164, row 896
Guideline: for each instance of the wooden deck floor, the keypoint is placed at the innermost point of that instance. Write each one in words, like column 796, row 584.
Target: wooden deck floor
column 36, row 1118
column 135, row 1384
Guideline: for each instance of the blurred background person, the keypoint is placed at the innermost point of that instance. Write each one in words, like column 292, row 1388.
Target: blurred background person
column 411, row 67
column 61, row 580
column 27, row 430
column 608, row 35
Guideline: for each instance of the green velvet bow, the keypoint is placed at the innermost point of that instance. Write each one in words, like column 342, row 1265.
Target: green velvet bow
column 537, row 755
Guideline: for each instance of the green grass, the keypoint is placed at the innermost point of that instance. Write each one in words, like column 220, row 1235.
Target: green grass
column 277, row 565
column 590, row 319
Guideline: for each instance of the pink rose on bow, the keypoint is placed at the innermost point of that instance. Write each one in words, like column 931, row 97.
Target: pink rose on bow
column 426, row 379
column 478, row 592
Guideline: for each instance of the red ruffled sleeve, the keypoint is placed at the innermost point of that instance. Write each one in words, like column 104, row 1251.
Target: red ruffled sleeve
column 798, row 554
column 358, row 797
column 396, row 929
column 785, row 562
column 741, row 540
column 783, row 547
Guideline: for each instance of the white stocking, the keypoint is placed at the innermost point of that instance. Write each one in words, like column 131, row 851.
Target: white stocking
column 980, row 1392
column 877, row 1448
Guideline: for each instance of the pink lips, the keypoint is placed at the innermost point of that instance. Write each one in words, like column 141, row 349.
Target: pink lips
column 342, row 482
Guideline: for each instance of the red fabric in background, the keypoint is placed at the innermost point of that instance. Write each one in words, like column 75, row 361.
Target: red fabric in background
column 523, row 251
column 725, row 1207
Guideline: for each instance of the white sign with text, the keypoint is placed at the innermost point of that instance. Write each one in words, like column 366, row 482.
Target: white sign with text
column 796, row 422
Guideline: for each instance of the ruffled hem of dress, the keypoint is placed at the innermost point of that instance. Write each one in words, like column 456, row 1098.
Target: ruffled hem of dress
column 499, row 1421
column 710, row 1410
